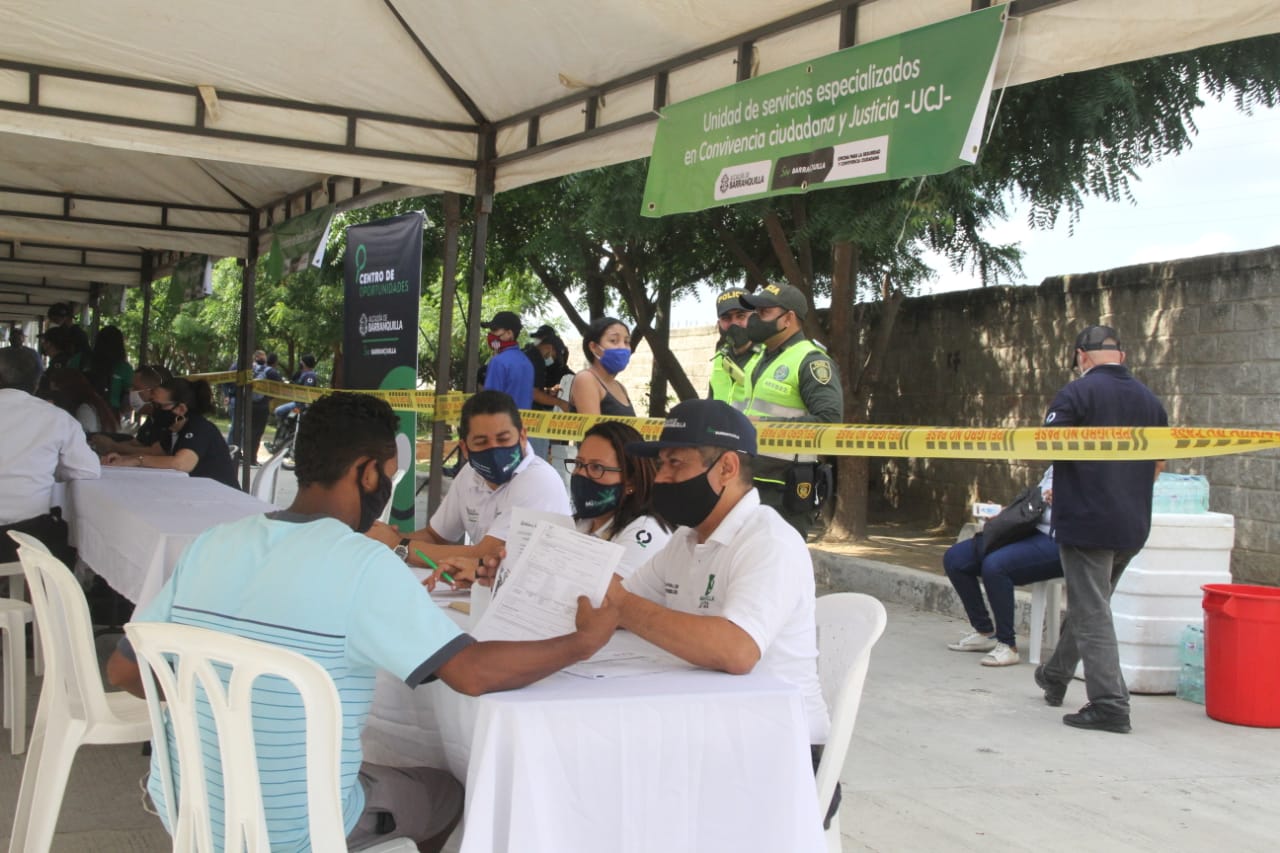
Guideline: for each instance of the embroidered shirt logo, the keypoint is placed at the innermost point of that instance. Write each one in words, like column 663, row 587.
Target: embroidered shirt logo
column 704, row 602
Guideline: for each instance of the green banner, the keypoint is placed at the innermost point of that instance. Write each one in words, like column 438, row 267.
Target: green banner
column 907, row 105
column 298, row 242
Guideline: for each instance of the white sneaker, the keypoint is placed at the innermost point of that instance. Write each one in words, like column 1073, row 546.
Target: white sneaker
column 973, row 642
column 1002, row 655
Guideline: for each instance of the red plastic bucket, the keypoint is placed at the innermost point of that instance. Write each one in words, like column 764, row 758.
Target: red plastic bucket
column 1242, row 654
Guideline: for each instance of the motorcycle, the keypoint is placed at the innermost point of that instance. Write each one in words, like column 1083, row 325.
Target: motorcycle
column 286, row 432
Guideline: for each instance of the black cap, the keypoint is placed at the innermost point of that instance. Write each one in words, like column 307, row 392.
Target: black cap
column 545, row 333
column 1095, row 338
column 504, row 320
column 777, row 295
column 700, row 423
column 728, row 301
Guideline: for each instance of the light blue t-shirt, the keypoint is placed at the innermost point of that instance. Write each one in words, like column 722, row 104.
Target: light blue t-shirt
column 316, row 587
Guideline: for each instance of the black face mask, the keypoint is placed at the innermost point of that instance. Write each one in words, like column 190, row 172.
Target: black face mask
column 372, row 503
column 687, row 503
column 737, row 336
column 164, row 418
column 759, row 330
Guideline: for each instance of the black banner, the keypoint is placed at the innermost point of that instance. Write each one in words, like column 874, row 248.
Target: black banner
column 383, row 275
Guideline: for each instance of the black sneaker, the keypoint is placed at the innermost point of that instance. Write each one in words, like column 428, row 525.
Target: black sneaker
column 1092, row 717
column 1053, row 693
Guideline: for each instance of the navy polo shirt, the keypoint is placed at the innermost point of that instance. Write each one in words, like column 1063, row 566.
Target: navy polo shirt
column 1104, row 504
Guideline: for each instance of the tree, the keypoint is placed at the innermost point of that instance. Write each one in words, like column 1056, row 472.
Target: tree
column 583, row 233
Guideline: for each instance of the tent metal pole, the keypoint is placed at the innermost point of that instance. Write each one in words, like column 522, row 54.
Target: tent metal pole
column 244, row 399
column 444, row 353
column 144, row 336
column 480, row 238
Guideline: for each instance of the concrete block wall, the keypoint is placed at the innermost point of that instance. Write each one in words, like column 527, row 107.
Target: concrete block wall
column 1202, row 333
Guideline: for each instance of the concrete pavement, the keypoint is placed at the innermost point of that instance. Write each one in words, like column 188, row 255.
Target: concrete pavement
column 949, row 755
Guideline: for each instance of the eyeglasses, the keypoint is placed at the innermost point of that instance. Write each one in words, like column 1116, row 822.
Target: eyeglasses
column 593, row 470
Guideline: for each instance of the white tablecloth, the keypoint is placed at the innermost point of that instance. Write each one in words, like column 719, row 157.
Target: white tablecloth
column 131, row 528
column 690, row 761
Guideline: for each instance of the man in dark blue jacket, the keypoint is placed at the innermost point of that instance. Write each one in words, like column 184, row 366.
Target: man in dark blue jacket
column 1101, row 518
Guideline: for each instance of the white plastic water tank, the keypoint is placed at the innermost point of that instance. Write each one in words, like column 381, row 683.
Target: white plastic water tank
column 1159, row 594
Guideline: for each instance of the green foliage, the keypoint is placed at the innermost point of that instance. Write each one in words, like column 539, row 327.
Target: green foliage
column 1058, row 141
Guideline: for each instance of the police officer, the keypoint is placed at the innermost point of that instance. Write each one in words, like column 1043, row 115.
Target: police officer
column 728, row 381
column 789, row 379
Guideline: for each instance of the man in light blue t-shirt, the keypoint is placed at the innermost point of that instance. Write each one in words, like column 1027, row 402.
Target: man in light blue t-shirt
column 305, row 578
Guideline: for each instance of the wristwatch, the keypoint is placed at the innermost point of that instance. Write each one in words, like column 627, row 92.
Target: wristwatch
column 402, row 550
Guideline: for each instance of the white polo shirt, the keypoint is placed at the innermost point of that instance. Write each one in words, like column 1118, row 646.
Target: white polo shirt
column 38, row 443
column 473, row 509
column 640, row 539
column 755, row 571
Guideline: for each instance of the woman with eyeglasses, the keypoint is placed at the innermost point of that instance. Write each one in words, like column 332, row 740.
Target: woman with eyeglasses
column 611, row 494
column 190, row 443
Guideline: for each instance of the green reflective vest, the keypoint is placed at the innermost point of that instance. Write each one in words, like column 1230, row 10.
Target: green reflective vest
column 776, row 393
column 728, row 381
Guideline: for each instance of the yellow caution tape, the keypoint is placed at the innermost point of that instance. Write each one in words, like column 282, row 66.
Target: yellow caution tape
column 1066, row 444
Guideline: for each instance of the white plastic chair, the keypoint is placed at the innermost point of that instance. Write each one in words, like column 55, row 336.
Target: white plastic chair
column 185, row 662
column 74, row 709
column 404, row 457
column 264, row 482
column 14, row 616
column 849, row 625
column 17, row 592
column 1046, row 612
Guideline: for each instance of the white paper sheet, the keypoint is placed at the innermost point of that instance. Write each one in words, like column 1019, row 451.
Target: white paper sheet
column 524, row 523
column 540, row 598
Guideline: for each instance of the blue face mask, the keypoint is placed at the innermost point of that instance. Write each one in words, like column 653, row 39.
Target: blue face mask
column 496, row 464
column 615, row 360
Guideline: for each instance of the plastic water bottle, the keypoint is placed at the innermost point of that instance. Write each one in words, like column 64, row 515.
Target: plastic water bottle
column 1191, row 683
column 1191, row 646
column 1180, row 493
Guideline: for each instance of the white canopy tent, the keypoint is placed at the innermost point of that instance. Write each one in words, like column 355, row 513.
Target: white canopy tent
column 135, row 129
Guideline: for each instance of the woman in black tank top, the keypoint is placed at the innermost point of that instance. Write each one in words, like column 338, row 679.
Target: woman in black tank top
column 607, row 345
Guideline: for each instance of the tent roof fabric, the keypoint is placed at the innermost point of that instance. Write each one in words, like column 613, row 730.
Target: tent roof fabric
column 140, row 126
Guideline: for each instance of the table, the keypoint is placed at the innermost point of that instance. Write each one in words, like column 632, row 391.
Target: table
column 131, row 528
column 689, row 760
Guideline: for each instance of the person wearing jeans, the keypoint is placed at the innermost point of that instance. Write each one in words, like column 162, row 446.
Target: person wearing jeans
column 1101, row 519
column 1016, row 564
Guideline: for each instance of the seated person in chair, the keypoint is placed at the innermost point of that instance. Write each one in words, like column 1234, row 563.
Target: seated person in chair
column 733, row 588
column 39, row 443
column 501, row 473
column 1025, row 561
column 305, row 578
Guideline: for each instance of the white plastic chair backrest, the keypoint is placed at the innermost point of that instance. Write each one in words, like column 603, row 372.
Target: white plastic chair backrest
column 404, row 457
column 71, row 658
column 849, row 625
column 264, row 482
column 185, row 661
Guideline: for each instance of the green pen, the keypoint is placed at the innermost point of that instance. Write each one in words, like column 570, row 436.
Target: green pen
column 431, row 564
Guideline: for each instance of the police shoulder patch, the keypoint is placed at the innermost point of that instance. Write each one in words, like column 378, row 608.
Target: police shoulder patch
column 820, row 370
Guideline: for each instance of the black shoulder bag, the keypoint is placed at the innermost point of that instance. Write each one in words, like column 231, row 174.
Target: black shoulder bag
column 1016, row 521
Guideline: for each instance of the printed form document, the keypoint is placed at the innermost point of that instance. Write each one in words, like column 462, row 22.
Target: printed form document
column 539, row 596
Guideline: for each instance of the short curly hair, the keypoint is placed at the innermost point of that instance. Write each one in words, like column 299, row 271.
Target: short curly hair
column 338, row 429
